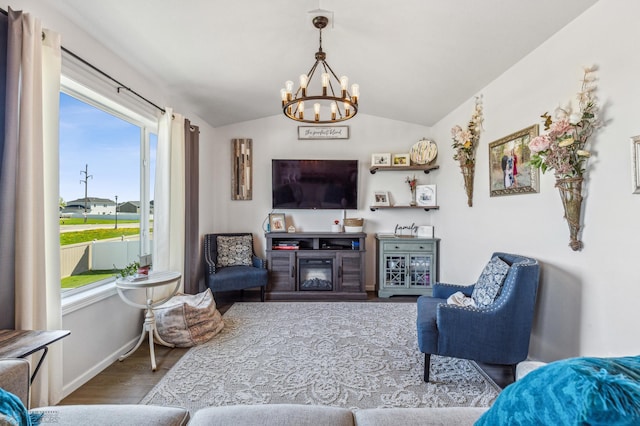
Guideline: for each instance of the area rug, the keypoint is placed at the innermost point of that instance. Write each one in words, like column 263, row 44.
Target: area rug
column 346, row 354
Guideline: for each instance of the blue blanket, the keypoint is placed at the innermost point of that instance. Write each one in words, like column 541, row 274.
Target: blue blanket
column 13, row 408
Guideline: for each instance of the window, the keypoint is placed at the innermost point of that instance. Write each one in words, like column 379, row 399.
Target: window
column 107, row 159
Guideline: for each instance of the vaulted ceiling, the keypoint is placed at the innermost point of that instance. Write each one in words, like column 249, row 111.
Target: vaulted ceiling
column 415, row 60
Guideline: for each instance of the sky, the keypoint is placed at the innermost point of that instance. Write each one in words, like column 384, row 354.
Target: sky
column 108, row 145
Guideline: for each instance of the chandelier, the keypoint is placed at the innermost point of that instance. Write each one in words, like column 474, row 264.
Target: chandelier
column 329, row 107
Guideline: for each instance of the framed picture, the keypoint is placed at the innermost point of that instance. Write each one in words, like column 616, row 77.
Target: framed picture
column 635, row 164
column 509, row 169
column 381, row 198
column 381, row 159
column 401, row 159
column 323, row 132
column 277, row 223
column 426, row 195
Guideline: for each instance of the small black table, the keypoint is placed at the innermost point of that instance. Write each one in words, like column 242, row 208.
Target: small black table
column 22, row 343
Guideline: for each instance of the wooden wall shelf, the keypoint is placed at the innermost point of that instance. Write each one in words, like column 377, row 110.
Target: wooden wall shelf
column 425, row 168
column 426, row 208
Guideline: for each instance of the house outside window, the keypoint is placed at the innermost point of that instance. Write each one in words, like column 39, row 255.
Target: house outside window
column 107, row 158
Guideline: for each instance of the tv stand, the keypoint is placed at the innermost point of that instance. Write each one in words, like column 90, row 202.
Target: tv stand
column 316, row 265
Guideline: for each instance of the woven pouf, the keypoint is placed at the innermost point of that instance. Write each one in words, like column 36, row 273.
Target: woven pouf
column 188, row 319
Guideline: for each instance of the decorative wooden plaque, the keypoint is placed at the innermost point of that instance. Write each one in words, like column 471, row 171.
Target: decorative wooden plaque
column 242, row 175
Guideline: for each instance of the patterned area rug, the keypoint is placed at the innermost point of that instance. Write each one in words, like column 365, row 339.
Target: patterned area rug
column 345, row 354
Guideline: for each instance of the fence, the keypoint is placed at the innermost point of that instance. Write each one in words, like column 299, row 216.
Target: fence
column 99, row 255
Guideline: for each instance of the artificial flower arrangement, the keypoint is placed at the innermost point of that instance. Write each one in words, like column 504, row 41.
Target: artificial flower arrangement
column 465, row 143
column 563, row 150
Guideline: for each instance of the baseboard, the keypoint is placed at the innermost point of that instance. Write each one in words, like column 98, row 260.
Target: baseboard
column 69, row 388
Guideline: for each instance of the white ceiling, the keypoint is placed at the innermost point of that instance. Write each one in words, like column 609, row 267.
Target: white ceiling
column 415, row 60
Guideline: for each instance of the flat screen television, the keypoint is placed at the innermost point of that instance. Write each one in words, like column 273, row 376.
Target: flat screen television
column 314, row 184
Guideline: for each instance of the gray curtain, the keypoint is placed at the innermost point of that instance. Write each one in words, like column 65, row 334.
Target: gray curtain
column 7, row 254
column 192, row 264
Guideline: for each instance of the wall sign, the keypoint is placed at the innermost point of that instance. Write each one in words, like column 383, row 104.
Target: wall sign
column 323, row 132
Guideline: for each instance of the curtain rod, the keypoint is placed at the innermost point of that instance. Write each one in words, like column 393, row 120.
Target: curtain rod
column 98, row 70
column 120, row 85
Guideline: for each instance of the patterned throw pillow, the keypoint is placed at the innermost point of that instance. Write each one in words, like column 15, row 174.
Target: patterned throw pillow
column 488, row 287
column 233, row 251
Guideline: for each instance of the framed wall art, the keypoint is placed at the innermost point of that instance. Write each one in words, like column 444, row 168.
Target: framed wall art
column 509, row 171
column 635, row 164
column 323, row 132
column 383, row 159
column 401, row 159
column 381, row 198
column 277, row 222
column 426, row 195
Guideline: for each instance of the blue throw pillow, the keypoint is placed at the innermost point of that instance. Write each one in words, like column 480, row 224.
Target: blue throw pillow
column 490, row 282
column 576, row 391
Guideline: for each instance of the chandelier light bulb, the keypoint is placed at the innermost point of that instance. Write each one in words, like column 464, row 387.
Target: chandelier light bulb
column 344, row 83
column 301, row 110
column 334, row 109
column 355, row 92
column 325, row 83
column 283, row 95
column 304, row 80
column 347, row 109
column 316, row 110
column 289, row 88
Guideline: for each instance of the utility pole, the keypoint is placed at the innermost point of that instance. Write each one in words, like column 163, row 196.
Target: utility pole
column 116, row 212
column 85, row 181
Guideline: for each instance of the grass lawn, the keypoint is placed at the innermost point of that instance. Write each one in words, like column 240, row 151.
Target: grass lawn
column 80, row 221
column 95, row 234
column 87, row 278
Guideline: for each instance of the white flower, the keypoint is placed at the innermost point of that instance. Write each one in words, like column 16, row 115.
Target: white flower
column 575, row 118
column 583, row 153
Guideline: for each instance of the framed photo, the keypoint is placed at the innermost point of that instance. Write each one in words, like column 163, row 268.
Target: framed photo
column 381, row 159
column 635, row 164
column 277, row 223
column 323, row 132
column 381, row 198
column 426, row 195
column 509, row 169
column 401, row 160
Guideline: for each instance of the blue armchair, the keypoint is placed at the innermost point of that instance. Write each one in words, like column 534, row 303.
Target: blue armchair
column 237, row 268
column 495, row 334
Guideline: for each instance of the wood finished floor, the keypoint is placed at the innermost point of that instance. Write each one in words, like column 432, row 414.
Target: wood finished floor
column 127, row 382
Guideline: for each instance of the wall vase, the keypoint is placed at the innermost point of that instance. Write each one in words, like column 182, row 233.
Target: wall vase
column 571, row 194
column 468, row 172
column 413, row 196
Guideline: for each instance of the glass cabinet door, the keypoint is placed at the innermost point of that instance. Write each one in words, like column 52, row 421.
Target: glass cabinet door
column 419, row 270
column 395, row 270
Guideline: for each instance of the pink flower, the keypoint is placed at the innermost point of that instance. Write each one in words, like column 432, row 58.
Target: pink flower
column 560, row 127
column 540, row 143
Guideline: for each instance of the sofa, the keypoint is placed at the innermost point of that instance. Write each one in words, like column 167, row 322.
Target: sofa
column 14, row 378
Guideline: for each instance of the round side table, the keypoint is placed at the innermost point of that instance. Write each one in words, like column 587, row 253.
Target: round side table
column 155, row 279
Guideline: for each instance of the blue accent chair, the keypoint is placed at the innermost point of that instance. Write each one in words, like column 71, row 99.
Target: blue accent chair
column 230, row 278
column 497, row 334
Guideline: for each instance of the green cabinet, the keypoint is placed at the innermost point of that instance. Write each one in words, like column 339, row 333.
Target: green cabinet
column 406, row 266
